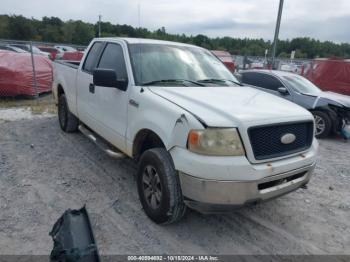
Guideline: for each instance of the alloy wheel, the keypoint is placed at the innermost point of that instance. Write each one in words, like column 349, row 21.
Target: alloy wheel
column 152, row 187
column 320, row 125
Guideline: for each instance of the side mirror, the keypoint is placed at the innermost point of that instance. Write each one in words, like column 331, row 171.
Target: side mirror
column 283, row 90
column 108, row 78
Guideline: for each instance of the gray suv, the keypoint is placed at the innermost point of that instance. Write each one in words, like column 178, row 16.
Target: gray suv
column 331, row 110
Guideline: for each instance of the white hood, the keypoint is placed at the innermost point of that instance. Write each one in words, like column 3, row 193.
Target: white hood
column 232, row 106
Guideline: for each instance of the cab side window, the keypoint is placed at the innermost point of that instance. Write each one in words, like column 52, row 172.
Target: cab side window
column 113, row 58
column 251, row 78
column 270, row 82
column 262, row 80
column 90, row 61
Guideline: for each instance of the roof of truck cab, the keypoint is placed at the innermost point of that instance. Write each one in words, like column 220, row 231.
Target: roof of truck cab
column 131, row 40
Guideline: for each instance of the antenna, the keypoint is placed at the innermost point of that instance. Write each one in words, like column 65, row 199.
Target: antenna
column 99, row 25
column 139, row 14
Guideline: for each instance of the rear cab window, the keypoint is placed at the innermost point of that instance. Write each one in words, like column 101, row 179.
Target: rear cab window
column 91, row 58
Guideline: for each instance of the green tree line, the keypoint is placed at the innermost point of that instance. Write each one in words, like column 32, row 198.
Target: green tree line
column 53, row 29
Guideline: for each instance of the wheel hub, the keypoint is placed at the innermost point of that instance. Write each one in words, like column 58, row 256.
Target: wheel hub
column 152, row 188
column 320, row 125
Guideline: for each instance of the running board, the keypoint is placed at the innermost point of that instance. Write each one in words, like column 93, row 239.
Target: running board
column 101, row 143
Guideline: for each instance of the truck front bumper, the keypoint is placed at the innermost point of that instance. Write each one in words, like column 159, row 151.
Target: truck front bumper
column 216, row 184
column 210, row 196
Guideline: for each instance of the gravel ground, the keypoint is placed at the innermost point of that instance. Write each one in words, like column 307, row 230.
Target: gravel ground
column 44, row 171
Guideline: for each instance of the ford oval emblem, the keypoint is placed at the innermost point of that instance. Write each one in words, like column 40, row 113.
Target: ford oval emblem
column 288, row 138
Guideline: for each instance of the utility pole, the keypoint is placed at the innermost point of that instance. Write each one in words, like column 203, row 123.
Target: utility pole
column 99, row 25
column 277, row 30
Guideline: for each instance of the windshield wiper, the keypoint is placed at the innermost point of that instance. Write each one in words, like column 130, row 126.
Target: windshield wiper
column 171, row 81
column 213, row 80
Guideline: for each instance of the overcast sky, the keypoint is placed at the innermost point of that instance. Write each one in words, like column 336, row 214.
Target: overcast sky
column 320, row 19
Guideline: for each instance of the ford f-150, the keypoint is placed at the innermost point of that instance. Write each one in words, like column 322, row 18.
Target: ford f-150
column 200, row 139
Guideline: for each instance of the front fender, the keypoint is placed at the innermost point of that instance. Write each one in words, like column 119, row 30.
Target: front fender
column 170, row 122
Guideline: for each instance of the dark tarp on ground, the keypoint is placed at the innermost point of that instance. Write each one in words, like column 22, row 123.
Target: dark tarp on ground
column 73, row 238
column 16, row 74
column 330, row 75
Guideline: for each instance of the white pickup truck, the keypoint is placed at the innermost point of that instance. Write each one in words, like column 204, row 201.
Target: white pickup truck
column 200, row 138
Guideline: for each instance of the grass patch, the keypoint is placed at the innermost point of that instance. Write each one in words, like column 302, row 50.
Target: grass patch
column 43, row 104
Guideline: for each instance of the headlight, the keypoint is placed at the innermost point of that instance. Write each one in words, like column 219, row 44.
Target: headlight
column 216, row 142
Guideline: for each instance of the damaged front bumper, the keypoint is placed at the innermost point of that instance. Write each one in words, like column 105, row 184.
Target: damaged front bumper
column 211, row 196
column 217, row 184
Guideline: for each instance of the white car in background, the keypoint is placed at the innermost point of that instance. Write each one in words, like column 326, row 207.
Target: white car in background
column 12, row 48
column 37, row 51
column 293, row 68
column 65, row 48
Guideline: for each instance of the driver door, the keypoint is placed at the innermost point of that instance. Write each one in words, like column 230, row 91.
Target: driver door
column 104, row 109
column 111, row 112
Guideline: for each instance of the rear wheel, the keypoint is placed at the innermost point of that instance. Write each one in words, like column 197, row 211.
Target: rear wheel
column 68, row 121
column 323, row 124
column 159, row 187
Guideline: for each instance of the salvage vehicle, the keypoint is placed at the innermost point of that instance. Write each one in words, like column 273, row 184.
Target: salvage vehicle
column 226, row 58
column 16, row 71
column 12, row 49
column 329, row 74
column 331, row 110
column 54, row 52
column 200, row 139
column 36, row 51
column 65, row 48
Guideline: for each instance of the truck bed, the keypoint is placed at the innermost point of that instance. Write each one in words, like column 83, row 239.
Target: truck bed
column 65, row 72
column 73, row 64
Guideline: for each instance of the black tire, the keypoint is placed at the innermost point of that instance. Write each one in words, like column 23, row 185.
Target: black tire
column 323, row 124
column 68, row 121
column 169, row 206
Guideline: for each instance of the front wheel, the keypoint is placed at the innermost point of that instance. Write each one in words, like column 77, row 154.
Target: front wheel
column 323, row 124
column 159, row 187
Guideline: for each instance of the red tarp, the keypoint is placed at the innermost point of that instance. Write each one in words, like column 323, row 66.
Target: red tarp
column 226, row 58
column 16, row 74
column 330, row 75
column 73, row 56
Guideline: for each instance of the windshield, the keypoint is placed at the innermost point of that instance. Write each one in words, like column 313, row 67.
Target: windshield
column 301, row 84
column 156, row 64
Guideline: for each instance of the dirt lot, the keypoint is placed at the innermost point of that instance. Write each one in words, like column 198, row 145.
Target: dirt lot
column 44, row 171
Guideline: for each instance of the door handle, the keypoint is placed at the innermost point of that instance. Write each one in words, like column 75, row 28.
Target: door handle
column 133, row 103
column 92, row 88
